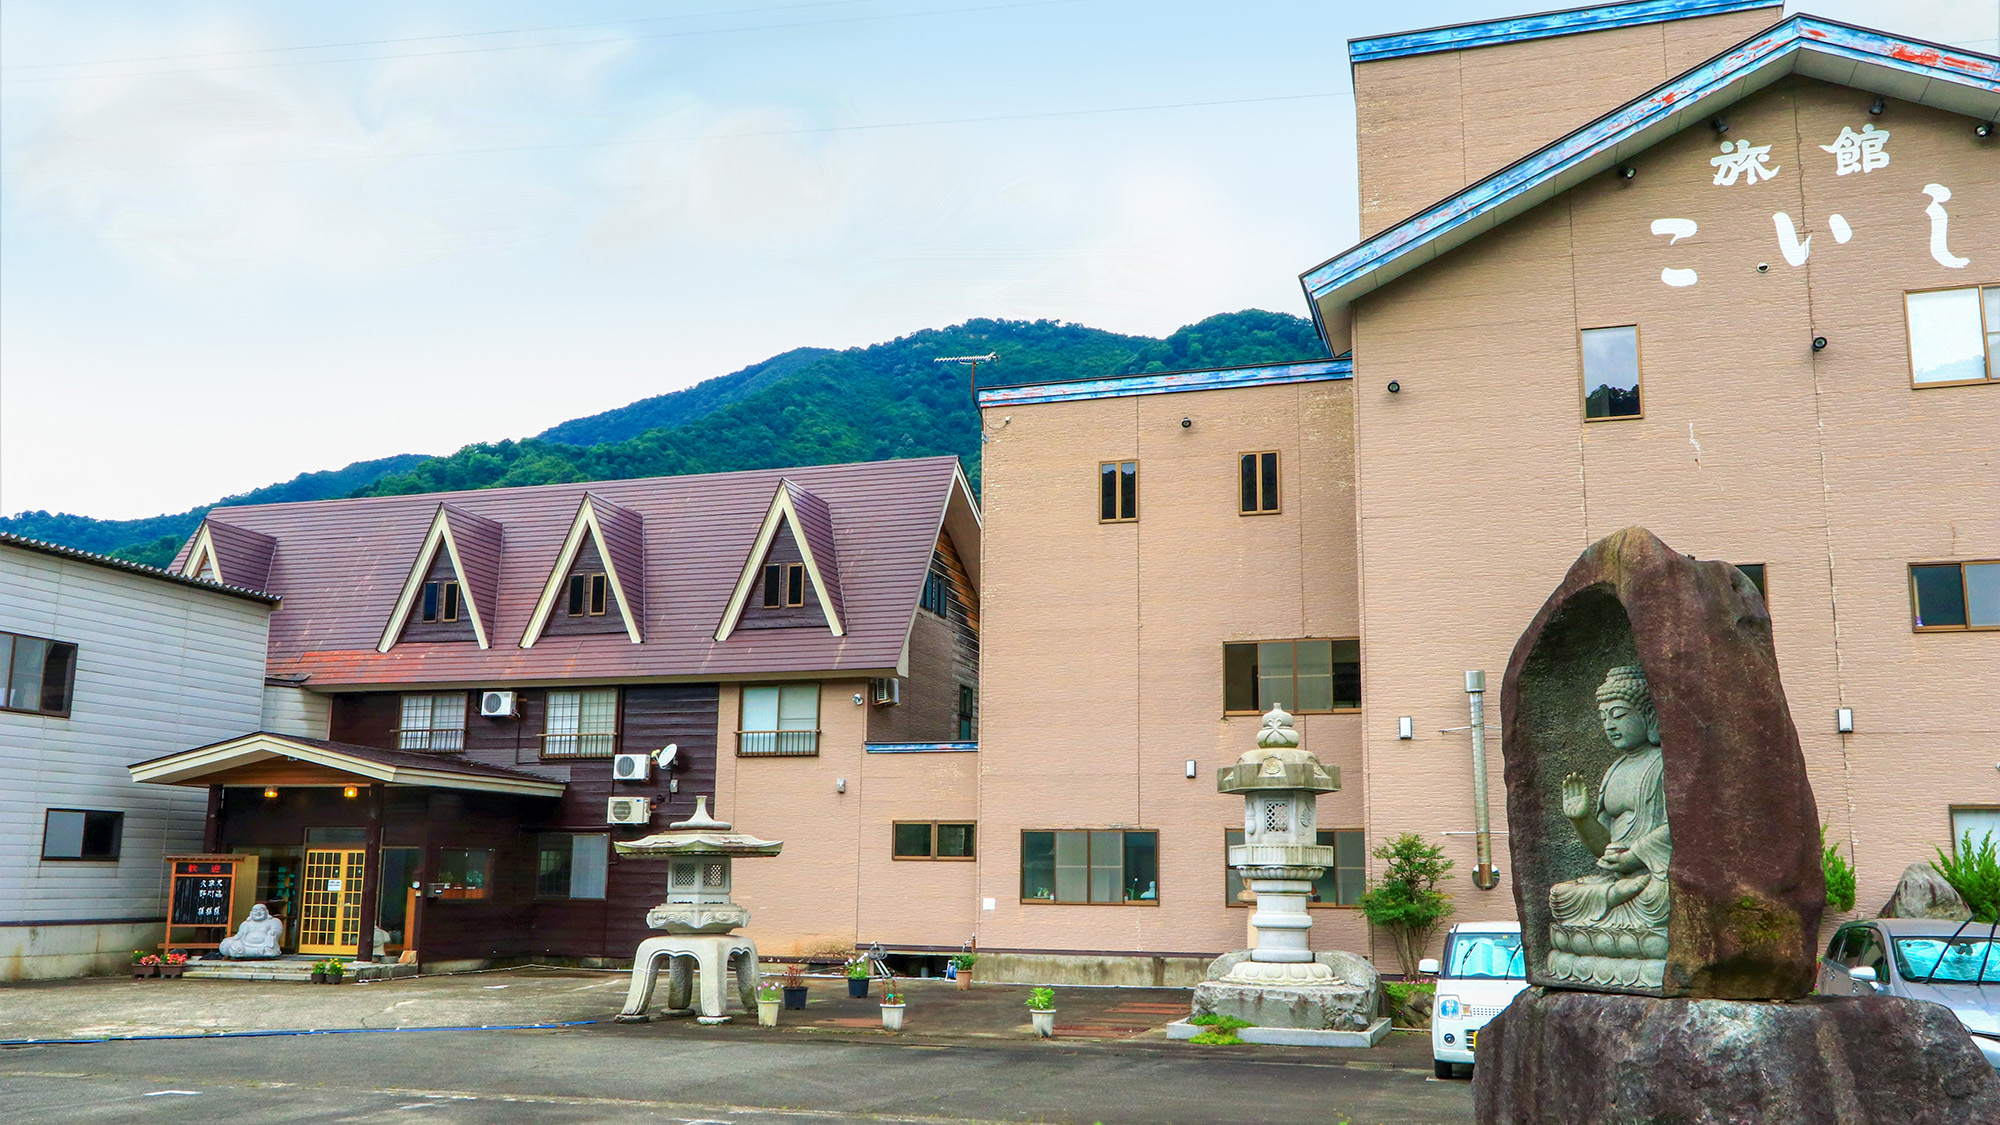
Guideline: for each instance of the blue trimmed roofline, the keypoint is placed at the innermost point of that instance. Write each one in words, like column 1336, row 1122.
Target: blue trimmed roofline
column 1168, row 382
column 1958, row 81
column 1542, row 25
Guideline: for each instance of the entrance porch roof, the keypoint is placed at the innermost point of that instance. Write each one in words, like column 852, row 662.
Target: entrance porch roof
column 264, row 758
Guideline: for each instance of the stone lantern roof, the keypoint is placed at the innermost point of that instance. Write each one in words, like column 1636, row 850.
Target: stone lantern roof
column 700, row 834
column 1277, row 762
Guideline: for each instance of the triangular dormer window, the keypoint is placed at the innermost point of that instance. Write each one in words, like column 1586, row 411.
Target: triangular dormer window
column 791, row 578
column 230, row 555
column 452, row 585
column 597, row 583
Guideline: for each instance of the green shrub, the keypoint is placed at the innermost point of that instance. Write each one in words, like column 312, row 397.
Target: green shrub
column 1219, row 1022
column 1217, row 1039
column 1407, row 902
column 1839, row 874
column 1974, row 872
column 1041, row 999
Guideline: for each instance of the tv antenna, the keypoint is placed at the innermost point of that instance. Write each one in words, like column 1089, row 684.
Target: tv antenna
column 971, row 361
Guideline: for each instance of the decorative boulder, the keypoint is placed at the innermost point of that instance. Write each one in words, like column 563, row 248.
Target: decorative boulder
column 1923, row 893
column 1582, row 1058
column 1671, row 661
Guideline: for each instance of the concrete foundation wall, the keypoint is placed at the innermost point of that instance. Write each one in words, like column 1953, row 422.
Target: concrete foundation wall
column 50, row 952
column 1084, row 969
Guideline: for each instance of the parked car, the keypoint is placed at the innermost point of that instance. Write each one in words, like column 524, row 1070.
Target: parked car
column 1481, row 972
column 1951, row 963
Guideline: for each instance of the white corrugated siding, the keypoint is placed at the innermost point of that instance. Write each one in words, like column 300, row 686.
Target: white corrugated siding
column 160, row 668
column 297, row 712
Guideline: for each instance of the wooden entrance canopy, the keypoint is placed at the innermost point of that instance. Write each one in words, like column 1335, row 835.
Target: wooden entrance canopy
column 265, row 759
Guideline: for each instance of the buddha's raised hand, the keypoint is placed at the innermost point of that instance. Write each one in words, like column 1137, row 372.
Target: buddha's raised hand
column 1576, row 796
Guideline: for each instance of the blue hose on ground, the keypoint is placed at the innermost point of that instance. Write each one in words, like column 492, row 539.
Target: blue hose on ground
column 291, row 1031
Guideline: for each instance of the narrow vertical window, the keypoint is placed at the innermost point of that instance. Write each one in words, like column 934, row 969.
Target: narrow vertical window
column 577, row 594
column 966, row 700
column 449, row 602
column 1118, row 491
column 430, row 601
column 598, row 585
column 774, row 583
column 795, row 584
column 1611, row 373
column 1257, row 493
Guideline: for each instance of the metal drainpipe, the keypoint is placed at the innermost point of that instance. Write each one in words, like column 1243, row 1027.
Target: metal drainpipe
column 1483, row 876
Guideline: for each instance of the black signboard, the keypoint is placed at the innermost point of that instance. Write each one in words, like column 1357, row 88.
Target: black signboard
column 202, row 893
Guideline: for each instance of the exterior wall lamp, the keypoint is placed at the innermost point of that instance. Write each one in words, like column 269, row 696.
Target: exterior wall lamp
column 350, row 792
column 1190, row 767
column 1406, row 727
column 1843, row 720
column 270, row 794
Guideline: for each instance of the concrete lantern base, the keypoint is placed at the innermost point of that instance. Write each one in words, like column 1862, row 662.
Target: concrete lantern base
column 1332, row 992
column 1292, row 1036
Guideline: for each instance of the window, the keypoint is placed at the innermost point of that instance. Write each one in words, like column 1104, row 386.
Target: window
column 581, row 724
column 432, row 722
column 1118, row 491
column 1755, row 573
column 462, row 872
column 1955, row 595
column 784, row 585
column 572, row 866
column 1339, row 885
column 37, row 674
column 1114, row 867
column 932, row 839
column 82, row 834
column 1954, row 336
column 587, row 595
column 1976, row 823
column 968, row 700
column 1302, row 676
column 779, row 720
column 1611, row 373
column 1258, row 494
column 440, row 601
column 936, row 598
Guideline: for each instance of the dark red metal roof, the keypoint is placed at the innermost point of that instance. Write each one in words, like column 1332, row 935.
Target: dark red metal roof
column 340, row 566
column 242, row 557
column 481, row 543
column 816, row 529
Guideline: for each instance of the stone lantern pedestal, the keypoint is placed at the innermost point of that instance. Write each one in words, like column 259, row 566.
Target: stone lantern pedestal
column 699, row 920
column 1288, row 993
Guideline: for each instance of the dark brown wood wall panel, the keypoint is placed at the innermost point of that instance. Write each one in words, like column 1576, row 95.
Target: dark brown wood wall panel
column 756, row 615
column 416, row 629
column 367, row 719
column 561, row 624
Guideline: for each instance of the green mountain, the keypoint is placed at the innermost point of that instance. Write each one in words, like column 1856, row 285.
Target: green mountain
column 808, row 406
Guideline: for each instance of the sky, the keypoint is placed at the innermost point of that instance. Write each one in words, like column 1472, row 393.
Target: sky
column 244, row 240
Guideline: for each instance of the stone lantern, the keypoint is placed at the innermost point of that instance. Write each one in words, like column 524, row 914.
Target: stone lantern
column 1284, row 989
column 698, row 917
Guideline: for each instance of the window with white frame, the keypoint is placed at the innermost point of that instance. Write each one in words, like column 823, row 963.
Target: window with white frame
column 581, row 724
column 1974, row 827
column 1954, row 335
column 779, row 720
column 432, row 722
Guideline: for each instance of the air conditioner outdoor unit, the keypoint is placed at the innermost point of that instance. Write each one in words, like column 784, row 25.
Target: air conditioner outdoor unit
column 629, row 810
column 632, row 767
column 498, row 705
column 888, row 691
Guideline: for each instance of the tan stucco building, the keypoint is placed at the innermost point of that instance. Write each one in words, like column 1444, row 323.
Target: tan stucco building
column 1677, row 265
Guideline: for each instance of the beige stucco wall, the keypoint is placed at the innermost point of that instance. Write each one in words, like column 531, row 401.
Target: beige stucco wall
column 1102, row 661
column 835, row 883
column 1428, row 125
column 1480, row 482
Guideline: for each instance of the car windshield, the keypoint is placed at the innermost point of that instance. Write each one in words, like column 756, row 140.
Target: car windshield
column 1965, row 961
column 1484, row 957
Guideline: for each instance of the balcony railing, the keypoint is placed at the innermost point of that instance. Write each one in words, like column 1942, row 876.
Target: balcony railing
column 432, row 741
column 777, row 743
column 578, row 745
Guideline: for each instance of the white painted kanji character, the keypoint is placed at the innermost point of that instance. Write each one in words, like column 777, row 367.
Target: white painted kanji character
column 1678, row 229
column 1940, row 195
column 1859, row 152
column 1745, row 160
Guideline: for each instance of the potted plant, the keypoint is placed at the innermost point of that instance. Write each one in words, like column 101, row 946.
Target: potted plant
column 794, row 986
column 173, row 965
column 144, row 964
column 319, row 971
column 767, row 1004
column 1042, row 1011
column 335, row 969
column 892, row 1010
column 857, row 977
column 961, row 967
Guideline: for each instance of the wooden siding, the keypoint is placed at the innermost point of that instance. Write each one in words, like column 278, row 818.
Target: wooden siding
column 416, row 629
column 161, row 667
column 756, row 615
column 944, row 655
column 561, row 624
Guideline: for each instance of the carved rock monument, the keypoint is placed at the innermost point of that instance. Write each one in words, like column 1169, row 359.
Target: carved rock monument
column 1666, row 847
column 1282, row 985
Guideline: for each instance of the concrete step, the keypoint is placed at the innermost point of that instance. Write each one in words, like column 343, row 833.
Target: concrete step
column 287, row 969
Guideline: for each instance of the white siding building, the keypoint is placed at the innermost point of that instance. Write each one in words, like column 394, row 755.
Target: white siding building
column 102, row 664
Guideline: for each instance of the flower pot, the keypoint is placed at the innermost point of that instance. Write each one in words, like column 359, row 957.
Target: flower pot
column 144, row 970
column 965, row 980
column 857, row 987
column 172, row 972
column 1045, row 1023
column 892, row 1017
column 795, row 999
column 767, row 1013
column 319, row 977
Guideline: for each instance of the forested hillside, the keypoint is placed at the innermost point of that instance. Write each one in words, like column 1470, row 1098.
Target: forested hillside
column 808, row 406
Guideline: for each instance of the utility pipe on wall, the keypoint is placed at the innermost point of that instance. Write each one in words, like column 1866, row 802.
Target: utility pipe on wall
column 1483, row 875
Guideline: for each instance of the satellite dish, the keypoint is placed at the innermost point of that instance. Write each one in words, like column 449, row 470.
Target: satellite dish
column 665, row 755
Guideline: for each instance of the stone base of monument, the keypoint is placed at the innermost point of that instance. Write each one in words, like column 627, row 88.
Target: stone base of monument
column 291, row 968
column 1583, row 1058
column 1330, row 1001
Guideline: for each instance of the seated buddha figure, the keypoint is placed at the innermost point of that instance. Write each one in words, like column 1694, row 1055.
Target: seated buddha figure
column 1609, row 927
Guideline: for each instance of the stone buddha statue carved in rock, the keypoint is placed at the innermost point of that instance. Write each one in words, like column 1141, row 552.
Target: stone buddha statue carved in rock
column 1609, row 927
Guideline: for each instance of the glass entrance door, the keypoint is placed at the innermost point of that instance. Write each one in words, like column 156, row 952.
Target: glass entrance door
column 330, row 900
column 397, row 902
